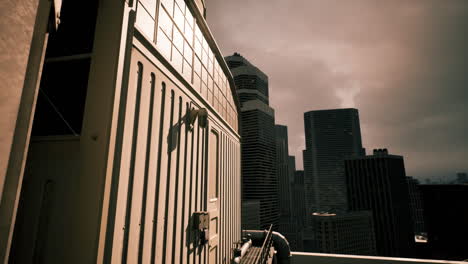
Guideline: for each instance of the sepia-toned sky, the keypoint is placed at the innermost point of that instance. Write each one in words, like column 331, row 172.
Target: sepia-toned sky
column 402, row 63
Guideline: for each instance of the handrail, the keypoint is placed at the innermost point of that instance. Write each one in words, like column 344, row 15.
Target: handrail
column 263, row 256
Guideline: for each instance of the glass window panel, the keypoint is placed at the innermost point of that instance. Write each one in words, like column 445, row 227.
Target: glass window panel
column 198, row 49
column 210, row 54
column 197, row 66
column 221, row 86
column 189, row 17
column 196, row 82
column 179, row 18
column 223, row 101
column 210, row 97
column 145, row 23
column 218, row 93
column 165, row 22
column 178, row 40
column 209, row 67
column 216, row 104
column 210, row 83
column 203, row 90
column 204, row 75
column 188, row 33
column 150, row 6
column 169, row 5
column 164, row 45
column 181, row 4
column 177, row 60
column 204, row 58
column 187, row 71
column 188, row 53
column 205, row 44
column 198, row 33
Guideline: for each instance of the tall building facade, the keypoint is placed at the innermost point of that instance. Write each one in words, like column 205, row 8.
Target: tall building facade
column 416, row 205
column 122, row 123
column 257, row 128
column 378, row 183
column 299, row 202
column 283, row 172
column 344, row 233
column 331, row 136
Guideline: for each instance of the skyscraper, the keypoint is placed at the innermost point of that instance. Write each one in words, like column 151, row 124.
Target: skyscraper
column 282, row 172
column 416, row 205
column 331, row 136
column 347, row 233
column 257, row 128
column 378, row 183
column 299, row 198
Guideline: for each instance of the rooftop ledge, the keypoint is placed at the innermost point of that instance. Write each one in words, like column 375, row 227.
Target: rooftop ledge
column 320, row 258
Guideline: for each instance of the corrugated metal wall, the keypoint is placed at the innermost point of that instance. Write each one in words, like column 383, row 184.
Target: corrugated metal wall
column 162, row 174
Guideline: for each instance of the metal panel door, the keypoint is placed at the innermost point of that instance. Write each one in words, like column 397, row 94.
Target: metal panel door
column 213, row 196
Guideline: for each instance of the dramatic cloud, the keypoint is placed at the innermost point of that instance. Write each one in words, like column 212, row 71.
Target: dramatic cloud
column 403, row 64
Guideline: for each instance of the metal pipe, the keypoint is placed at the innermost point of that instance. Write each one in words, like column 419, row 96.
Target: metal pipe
column 280, row 243
column 243, row 250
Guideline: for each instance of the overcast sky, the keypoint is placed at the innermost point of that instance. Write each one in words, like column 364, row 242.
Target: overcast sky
column 402, row 63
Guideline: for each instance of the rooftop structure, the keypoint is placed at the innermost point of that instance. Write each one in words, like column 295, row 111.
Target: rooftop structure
column 122, row 135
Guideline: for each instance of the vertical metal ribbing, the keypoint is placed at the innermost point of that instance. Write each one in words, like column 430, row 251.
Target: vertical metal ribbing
column 223, row 198
column 179, row 192
column 193, row 188
column 147, row 164
column 158, row 174
column 132, row 165
column 186, row 191
column 170, row 168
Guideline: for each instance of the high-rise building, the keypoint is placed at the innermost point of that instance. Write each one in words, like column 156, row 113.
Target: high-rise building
column 250, row 217
column 446, row 218
column 283, row 172
column 298, row 208
column 331, row 136
column 119, row 126
column 343, row 233
column 416, row 205
column 257, row 128
column 292, row 169
column 378, row 183
column 299, row 199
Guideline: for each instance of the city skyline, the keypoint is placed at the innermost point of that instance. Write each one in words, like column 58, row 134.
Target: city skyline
column 355, row 55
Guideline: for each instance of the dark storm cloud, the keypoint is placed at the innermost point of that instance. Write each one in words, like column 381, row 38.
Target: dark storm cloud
column 403, row 64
